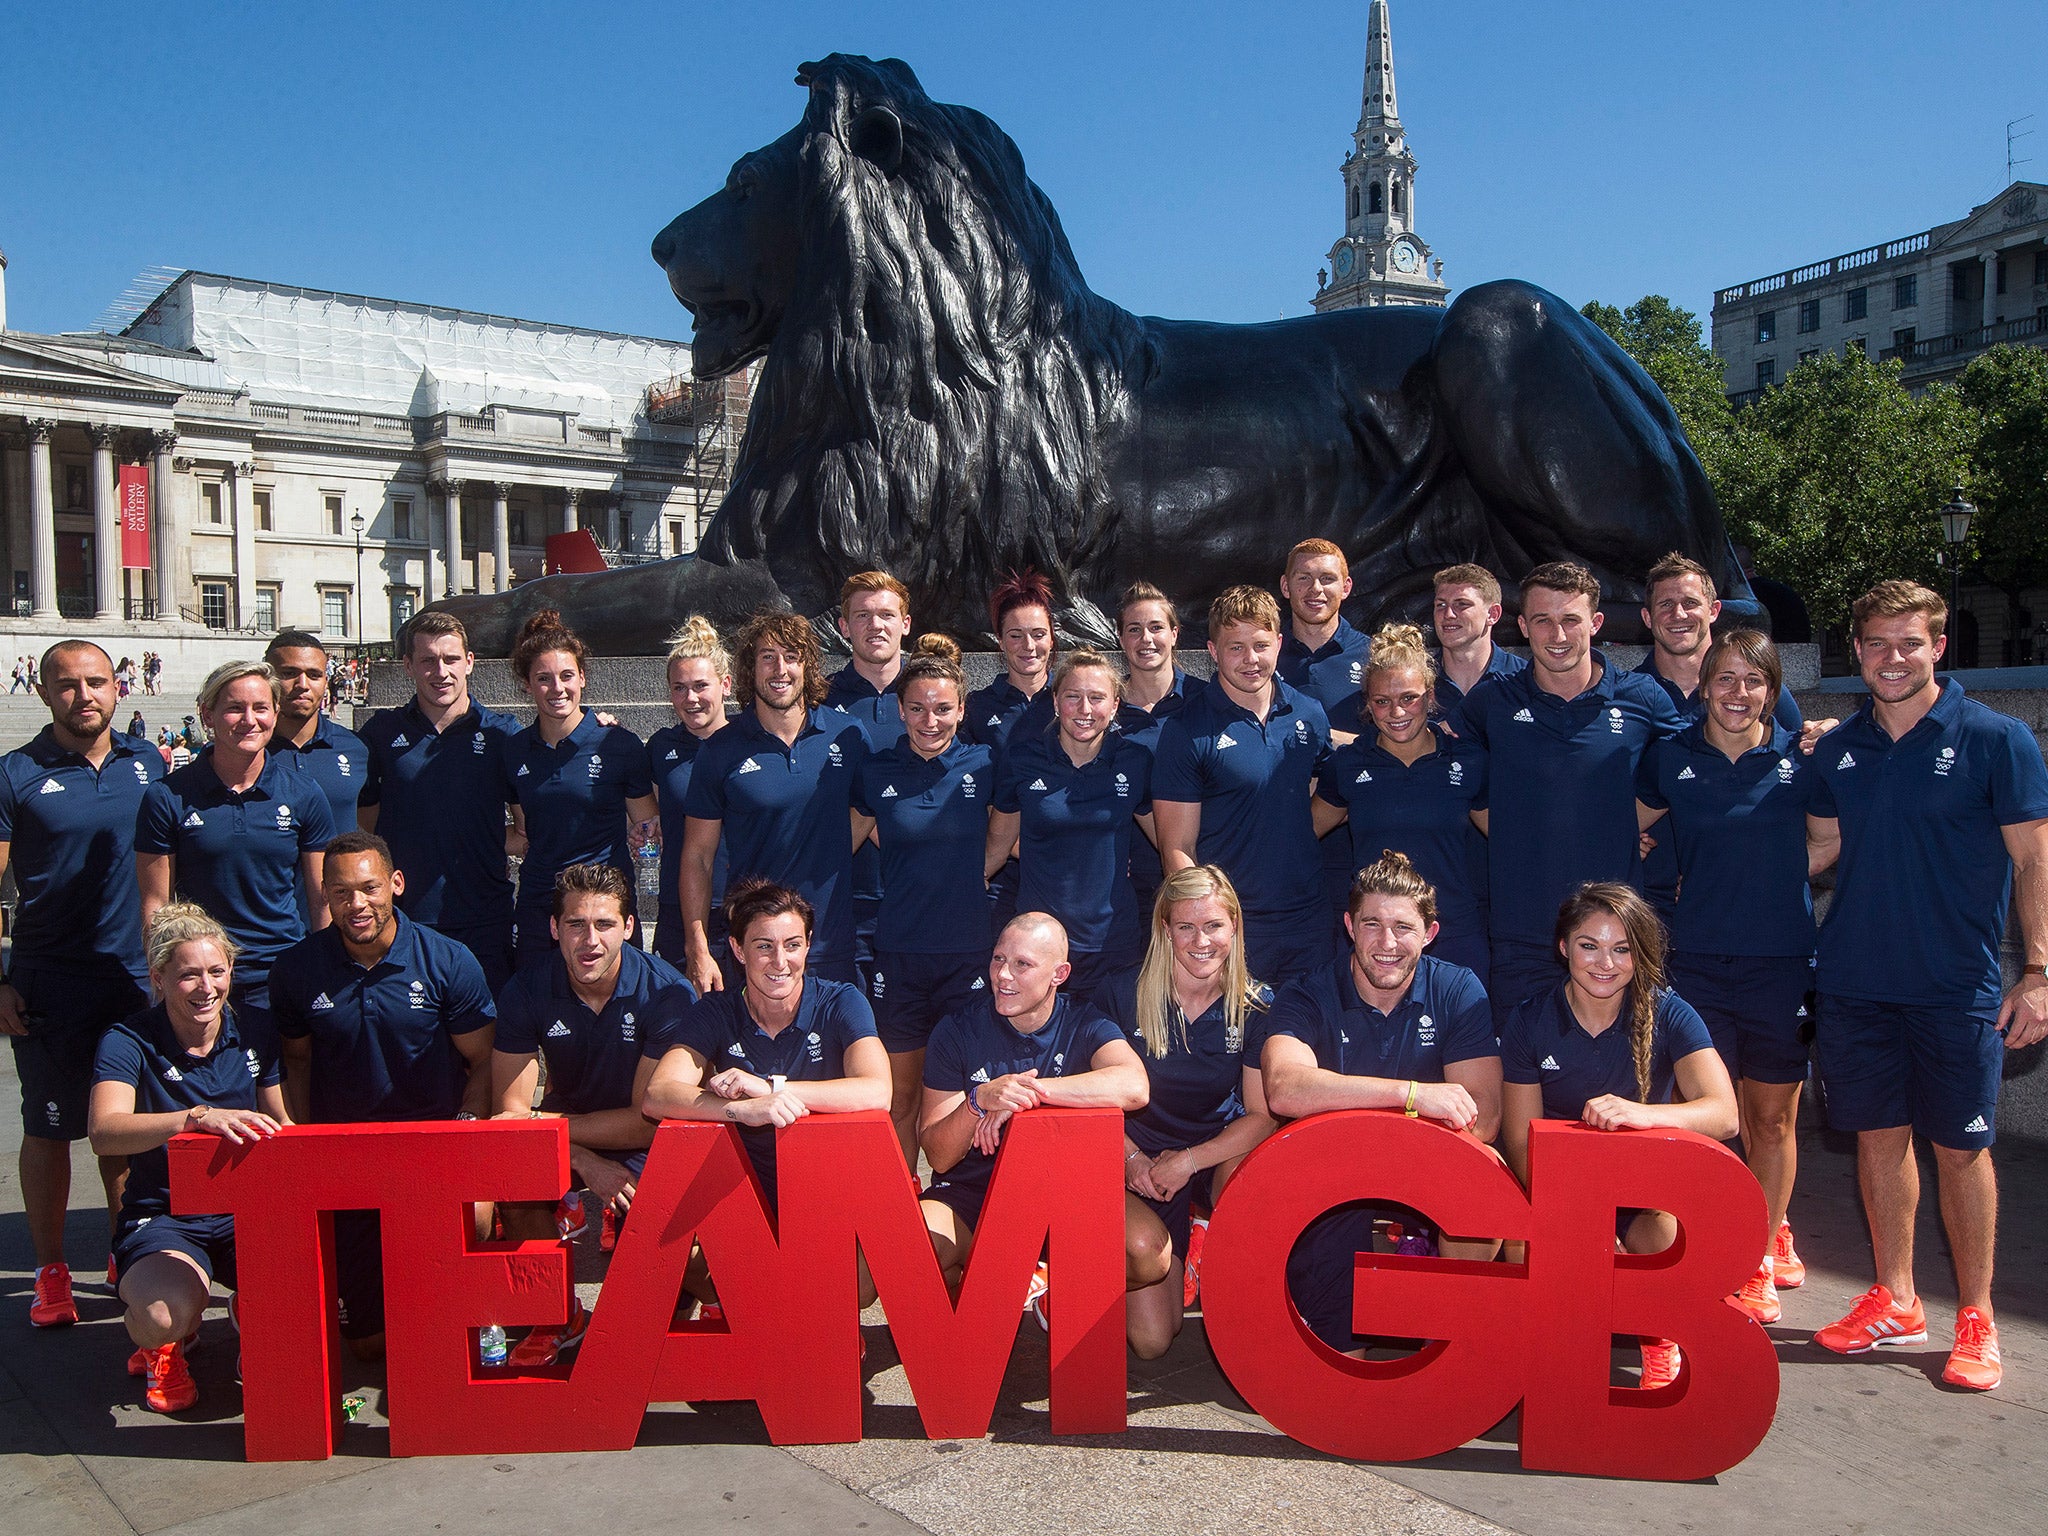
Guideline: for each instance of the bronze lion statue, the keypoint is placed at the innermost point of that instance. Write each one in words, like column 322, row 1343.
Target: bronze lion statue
column 943, row 396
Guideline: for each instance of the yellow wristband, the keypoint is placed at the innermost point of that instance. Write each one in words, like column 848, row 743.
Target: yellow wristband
column 1408, row 1109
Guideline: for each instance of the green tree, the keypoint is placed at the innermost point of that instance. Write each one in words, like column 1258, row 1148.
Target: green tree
column 2006, row 393
column 1667, row 341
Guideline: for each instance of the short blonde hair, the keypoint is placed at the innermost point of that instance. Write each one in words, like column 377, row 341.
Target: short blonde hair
column 228, row 673
column 1477, row 576
column 178, row 923
column 1075, row 660
column 1243, row 605
column 1400, row 645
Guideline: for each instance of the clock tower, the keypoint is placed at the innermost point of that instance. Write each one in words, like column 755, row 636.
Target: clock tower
column 1380, row 259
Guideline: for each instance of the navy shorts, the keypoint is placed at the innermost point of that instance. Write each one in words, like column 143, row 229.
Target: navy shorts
column 208, row 1241
column 1462, row 941
column 67, row 1013
column 359, row 1266
column 1756, row 1008
column 1178, row 1213
column 671, row 934
column 250, row 997
column 491, row 943
column 1894, row 1064
column 1092, row 968
column 1519, row 972
column 912, row 992
column 1320, row 1272
column 867, row 912
column 963, row 1200
column 1281, row 950
column 1002, row 898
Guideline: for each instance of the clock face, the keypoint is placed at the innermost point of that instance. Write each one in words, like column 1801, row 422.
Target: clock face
column 1406, row 257
column 1344, row 260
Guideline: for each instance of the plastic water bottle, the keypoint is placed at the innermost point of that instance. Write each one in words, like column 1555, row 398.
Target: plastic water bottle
column 490, row 1345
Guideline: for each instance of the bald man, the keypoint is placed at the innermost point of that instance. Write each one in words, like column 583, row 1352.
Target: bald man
column 1020, row 1045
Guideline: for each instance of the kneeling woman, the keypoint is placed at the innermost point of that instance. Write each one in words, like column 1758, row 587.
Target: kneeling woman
column 1184, row 1012
column 181, row 1066
column 765, row 1054
column 1614, row 1047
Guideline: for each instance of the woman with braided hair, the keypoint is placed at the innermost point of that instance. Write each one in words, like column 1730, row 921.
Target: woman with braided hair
column 1614, row 1047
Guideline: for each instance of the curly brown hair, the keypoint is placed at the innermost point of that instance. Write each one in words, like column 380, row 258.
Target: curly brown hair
column 786, row 632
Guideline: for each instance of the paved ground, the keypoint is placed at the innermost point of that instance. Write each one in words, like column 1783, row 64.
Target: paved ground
column 1858, row 1446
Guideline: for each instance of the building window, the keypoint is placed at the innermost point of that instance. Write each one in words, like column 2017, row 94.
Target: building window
column 2040, row 268
column 209, row 503
column 1354, row 200
column 1857, row 345
column 261, row 501
column 330, row 507
column 1906, row 291
column 1373, row 204
column 625, row 529
column 1902, row 340
column 515, row 525
column 1400, row 196
column 401, row 518
column 1767, row 326
column 1998, row 274
column 266, row 608
column 213, row 603
column 334, row 611
column 1809, row 316
column 675, row 536
column 405, row 602
column 1766, row 372
column 1856, row 305
column 1809, row 355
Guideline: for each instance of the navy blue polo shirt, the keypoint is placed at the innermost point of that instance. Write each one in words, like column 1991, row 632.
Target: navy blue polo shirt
column 335, row 758
column 1561, row 786
column 1544, row 1043
column 382, row 1036
column 1739, row 831
column 591, row 1057
column 1198, row 1085
column 1330, row 673
column 1423, row 809
column 441, row 806
column 1252, row 780
column 1075, row 833
column 783, row 811
column 992, row 713
column 143, row 1052
column 1924, row 880
column 1443, row 1020
column 1142, row 726
column 1501, row 663
column 811, row 1048
column 71, row 831
column 672, row 757
column 880, row 712
column 237, row 854
column 977, row 1045
column 574, row 794
column 931, row 815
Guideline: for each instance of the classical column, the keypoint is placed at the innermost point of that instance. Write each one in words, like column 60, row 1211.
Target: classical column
column 452, row 490
column 106, row 523
column 168, row 536
column 241, row 480
column 569, row 497
column 42, row 521
column 432, row 589
column 1990, row 260
column 501, row 536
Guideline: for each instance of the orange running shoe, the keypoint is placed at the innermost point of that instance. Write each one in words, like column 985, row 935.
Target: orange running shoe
column 113, row 1274
column 1661, row 1360
column 1191, row 1266
column 710, row 1312
column 138, row 1363
column 1875, row 1319
column 1974, row 1361
column 1035, row 1296
column 53, row 1306
column 1759, row 1295
column 544, row 1346
column 1788, row 1270
column 170, row 1388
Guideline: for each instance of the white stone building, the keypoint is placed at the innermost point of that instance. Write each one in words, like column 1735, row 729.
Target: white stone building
column 1935, row 299
column 332, row 462
column 1379, row 259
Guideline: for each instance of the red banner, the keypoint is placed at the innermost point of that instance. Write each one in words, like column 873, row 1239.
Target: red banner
column 135, row 552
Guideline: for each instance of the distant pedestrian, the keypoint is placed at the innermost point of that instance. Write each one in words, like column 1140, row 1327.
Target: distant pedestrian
column 22, row 673
column 137, row 726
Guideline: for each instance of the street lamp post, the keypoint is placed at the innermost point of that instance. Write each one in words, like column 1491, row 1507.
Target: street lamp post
column 1955, row 528
column 362, row 624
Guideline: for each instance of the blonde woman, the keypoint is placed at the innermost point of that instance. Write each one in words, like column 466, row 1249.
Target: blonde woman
column 699, row 683
column 180, row 1067
column 1187, row 1012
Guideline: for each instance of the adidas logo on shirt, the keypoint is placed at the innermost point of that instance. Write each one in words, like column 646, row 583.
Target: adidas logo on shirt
column 173, row 1075
column 889, row 793
column 321, row 1004
column 51, row 787
column 521, row 773
column 978, row 983
column 980, row 1075
column 1686, row 773
column 192, row 820
column 1550, row 1065
column 1036, row 784
column 750, row 766
column 1225, row 740
column 1976, row 1127
column 995, row 719
column 559, row 1031
column 1364, row 776
column 399, row 741
column 671, row 755
column 1525, row 717
column 1848, row 761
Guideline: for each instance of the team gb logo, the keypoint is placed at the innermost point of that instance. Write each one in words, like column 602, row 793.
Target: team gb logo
column 1944, row 760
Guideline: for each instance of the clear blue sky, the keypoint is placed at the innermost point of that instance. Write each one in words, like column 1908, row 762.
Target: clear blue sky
column 517, row 158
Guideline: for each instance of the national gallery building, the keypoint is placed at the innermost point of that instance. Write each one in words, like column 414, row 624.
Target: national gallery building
column 330, row 462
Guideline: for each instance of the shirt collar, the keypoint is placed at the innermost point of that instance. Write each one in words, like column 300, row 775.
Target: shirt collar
column 42, row 748
column 417, row 717
column 1052, row 1020
column 265, row 786
column 1344, row 638
column 847, row 683
column 750, row 724
column 1777, row 741
column 1349, row 1000
column 1283, row 702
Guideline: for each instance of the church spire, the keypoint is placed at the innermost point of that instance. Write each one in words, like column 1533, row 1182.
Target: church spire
column 1381, row 109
